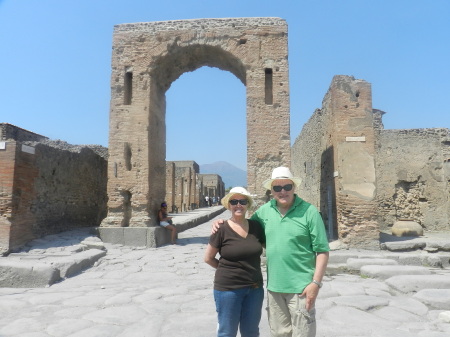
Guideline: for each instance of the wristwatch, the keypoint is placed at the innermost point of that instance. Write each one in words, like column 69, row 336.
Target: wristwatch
column 319, row 284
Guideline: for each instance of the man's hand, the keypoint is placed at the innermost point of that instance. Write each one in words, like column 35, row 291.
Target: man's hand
column 216, row 224
column 311, row 291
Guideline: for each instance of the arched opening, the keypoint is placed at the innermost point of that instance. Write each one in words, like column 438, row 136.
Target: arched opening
column 206, row 118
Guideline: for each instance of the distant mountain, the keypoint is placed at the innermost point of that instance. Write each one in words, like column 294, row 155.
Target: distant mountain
column 231, row 175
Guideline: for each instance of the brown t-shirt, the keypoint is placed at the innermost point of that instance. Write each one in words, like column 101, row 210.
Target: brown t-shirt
column 240, row 258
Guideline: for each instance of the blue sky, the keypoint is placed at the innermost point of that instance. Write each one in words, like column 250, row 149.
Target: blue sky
column 56, row 57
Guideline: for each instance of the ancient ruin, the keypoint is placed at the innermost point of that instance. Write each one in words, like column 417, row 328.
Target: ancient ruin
column 186, row 188
column 147, row 58
column 362, row 178
column 47, row 186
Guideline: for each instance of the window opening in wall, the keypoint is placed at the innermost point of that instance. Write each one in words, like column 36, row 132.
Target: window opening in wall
column 128, row 95
column 127, row 156
column 268, row 86
column 126, row 205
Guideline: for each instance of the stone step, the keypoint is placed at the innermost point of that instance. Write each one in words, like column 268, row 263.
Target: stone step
column 386, row 271
column 354, row 264
column 413, row 283
column 37, row 271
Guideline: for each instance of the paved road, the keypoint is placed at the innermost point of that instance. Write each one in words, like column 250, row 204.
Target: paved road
column 167, row 292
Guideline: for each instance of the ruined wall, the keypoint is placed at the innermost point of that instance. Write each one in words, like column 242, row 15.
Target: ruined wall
column 147, row 58
column 380, row 176
column 312, row 160
column 338, row 143
column 182, row 188
column 9, row 131
column 7, row 164
column 413, row 178
column 48, row 188
column 181, row 185
column 186, row 188
column 213, row 186
column 170, row 186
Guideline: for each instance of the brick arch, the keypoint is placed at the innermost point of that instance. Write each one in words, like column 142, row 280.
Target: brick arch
column 147, row 58
column 170, row 66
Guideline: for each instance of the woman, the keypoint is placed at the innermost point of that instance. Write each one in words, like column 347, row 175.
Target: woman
column 238, row 282
column 166, row 222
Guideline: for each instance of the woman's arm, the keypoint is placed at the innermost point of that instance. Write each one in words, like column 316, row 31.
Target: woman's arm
column 160, row 216
column 210, row 256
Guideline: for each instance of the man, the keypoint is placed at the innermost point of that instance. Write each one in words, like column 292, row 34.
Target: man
column 297, row 256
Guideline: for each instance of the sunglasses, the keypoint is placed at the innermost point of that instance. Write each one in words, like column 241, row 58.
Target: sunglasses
column 234, row 202
column 278, row 188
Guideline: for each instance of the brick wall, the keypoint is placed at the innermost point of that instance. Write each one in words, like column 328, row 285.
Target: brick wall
column 48, row 189
column 413, row 177
column 12, row 132
column 7, row 163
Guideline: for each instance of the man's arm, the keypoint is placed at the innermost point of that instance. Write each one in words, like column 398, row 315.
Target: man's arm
column 321, row 265
column 312, row 290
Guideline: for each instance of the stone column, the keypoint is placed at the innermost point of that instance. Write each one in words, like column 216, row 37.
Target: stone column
column 353, row 143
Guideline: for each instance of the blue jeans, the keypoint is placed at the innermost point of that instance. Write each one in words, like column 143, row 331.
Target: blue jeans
column 239, row 308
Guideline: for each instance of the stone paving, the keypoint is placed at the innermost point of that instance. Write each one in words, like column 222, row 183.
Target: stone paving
column 167, row 291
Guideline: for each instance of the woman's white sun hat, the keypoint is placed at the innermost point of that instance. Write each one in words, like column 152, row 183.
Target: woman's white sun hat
column 237, row 190
column 281, row 173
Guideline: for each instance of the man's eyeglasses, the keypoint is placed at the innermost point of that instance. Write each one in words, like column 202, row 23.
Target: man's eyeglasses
column 278, row 188
column 234, row 202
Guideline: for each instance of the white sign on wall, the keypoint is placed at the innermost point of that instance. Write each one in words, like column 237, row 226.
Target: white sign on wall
column 355, row 139
column 2, row 145
column 28, row 149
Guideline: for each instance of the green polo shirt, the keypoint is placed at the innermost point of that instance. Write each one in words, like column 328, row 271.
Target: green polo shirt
column 292, row 242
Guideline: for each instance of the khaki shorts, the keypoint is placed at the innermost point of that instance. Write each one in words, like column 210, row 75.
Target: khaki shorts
column 288, row 316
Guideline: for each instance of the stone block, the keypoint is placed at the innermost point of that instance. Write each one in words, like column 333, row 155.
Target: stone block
column 135, row 236
column 444, row 316
column 414, row 283
column 157, row 236
column 407, row 228
column 74, row 264
column 435, row 298
column 385, row 272
column 112, row 235
column 26, row 274
column 356, row 264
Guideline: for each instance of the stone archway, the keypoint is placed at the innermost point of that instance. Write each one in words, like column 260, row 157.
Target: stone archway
column 147, row 58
